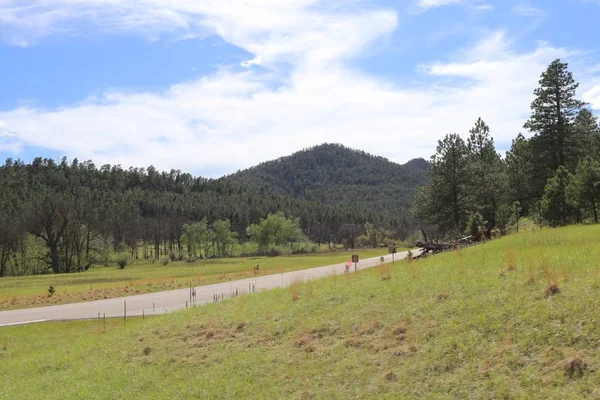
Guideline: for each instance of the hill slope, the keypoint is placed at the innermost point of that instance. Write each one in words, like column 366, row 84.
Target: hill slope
column 334, row 174
column 476, row 323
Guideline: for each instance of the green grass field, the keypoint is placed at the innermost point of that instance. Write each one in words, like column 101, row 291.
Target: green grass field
column 138, row 278
column 514, row 318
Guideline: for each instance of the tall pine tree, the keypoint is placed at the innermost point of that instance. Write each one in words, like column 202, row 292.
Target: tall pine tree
column 447, row 200
column 588, row 132
column 552, row 120
column 487, row 171
column 519, row 172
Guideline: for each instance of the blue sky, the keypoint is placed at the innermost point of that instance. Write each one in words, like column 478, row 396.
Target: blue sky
column 213, row 86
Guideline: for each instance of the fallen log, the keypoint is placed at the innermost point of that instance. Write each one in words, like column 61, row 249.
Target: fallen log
column 437, row 247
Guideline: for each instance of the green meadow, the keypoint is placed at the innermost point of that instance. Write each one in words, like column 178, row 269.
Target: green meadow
column 513, row 318
column 145, row 277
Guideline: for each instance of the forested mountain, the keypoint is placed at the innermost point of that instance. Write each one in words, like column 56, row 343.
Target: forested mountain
column 334, row 174
column 63, row 217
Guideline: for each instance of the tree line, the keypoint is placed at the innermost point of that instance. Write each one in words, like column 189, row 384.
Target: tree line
column 63, row 217
column 553, row 176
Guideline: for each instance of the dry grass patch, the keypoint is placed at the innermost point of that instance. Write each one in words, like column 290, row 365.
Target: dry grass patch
column 510, row 259
column 295, row 290
column 385, row 272
column 575, row 368
column 441, row 296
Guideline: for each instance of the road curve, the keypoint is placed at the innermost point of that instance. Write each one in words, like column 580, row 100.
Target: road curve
column 164, row 302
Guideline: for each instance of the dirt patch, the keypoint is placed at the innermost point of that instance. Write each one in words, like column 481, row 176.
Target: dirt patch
column 390, row 376
column 575, row 368
column 241, row 327
column 551, row 290
column 441, row 296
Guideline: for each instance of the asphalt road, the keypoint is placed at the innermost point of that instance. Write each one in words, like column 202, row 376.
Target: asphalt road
column 164, row 302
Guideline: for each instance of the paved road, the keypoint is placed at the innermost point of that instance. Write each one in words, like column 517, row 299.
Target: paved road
column 163, row 302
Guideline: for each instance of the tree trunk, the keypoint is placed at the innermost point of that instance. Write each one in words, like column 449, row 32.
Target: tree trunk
column 54, row 262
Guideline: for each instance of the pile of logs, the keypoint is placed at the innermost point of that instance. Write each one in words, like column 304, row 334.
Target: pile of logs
column 435, row 247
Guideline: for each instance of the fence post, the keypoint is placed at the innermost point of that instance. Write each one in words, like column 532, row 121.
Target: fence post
column 125, row 312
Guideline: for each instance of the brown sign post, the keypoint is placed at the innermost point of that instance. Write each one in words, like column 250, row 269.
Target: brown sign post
column 355, row 261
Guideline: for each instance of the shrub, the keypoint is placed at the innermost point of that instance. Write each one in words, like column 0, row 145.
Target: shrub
column 475, row 222
column 122, row 262
column 173, row 256
column 51, row 290
column 165, row 261
column 273, row 252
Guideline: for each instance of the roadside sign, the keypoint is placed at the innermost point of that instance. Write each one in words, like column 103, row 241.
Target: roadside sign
column 355, row 258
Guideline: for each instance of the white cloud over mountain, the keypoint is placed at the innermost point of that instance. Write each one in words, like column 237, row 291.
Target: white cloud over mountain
column 233, row 119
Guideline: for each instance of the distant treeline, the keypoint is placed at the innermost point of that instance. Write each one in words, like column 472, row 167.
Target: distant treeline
column 63, row 217
column 553, row 176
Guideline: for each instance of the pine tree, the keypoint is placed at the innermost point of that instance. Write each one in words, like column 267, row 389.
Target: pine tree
column 520, row 172
column 555, row 205
column 552, row 119
column 588, row 133
column 586, row 186
column 487, row 171
column 447, row 200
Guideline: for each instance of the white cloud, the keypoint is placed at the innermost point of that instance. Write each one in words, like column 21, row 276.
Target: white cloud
column 4, row 132
column 527, row 10
column 255, row 61
column 484, row 7
column 592, row 97
column 426, row 4
column 473, row 5
column 8, row 140
column 234, row 119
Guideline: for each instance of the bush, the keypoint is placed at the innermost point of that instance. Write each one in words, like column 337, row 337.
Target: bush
column 122, row 262
column 51, row 291
column 274, row 252
column 173, row 256
column 165, row 261
column 475, row 222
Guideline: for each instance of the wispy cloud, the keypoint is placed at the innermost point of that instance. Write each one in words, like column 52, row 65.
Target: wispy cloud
column 474, row 5
column 427, row 4
column 527, row 10
column 592, row 97
column 484, row 7
column 235, row 118
column 255, row 61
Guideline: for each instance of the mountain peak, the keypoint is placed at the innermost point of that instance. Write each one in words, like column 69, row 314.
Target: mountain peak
column 335, row 174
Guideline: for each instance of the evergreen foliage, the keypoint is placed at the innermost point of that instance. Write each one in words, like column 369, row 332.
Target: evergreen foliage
column 64, row 217
column 552, row 176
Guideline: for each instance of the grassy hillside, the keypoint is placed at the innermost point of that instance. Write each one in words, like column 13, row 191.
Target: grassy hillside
column 514, row 318
column 334, row 174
